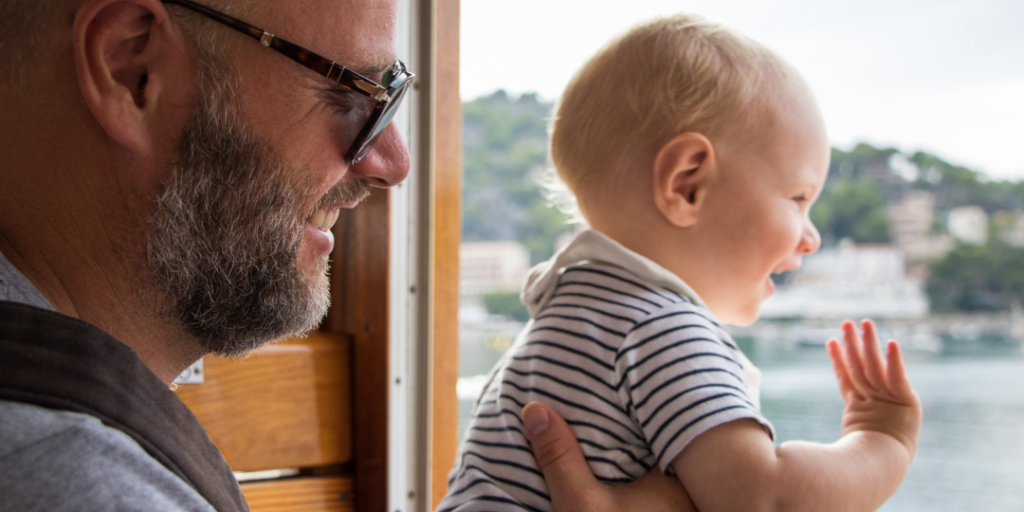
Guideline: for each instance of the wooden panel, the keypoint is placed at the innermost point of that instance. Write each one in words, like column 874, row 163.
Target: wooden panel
column 446, row 237
column 359, row 289
column 285, row 406
column 317, row 494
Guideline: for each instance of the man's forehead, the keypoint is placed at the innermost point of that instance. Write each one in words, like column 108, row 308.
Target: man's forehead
column 359, row 34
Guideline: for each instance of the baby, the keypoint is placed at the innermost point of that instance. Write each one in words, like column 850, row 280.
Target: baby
column 695, row 155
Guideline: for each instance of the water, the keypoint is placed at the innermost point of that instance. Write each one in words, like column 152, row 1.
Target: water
column 971, row 450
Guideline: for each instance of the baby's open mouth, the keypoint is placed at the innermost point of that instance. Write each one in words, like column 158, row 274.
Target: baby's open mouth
column 324, row 217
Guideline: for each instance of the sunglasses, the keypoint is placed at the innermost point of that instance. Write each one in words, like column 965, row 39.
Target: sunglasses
column 388, row 94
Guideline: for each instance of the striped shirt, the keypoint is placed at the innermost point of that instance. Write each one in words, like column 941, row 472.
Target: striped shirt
column 637, row 370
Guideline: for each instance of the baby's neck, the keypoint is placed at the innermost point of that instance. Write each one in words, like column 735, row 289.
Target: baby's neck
column 646, row 238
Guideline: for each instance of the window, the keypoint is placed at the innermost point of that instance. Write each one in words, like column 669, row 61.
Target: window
column 922, row 216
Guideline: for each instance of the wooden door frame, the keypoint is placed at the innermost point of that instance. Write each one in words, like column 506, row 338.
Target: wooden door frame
column 447, row 195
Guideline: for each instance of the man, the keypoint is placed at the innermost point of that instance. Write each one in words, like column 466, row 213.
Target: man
column 167, row 186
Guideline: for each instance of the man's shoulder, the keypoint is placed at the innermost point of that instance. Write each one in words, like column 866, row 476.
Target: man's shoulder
column 60, row 460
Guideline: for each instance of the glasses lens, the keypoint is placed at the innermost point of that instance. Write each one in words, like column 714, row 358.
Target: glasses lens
column 382, row 121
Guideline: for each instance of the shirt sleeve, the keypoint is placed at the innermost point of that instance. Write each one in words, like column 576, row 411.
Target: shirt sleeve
column 680, row 375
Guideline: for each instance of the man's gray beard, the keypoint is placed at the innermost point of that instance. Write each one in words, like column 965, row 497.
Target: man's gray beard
column 224, row 237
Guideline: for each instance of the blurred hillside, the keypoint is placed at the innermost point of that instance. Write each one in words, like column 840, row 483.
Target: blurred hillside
column 960, row 232
column 505, row 148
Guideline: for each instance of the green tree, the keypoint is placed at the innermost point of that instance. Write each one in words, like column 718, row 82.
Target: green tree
column 953, row 185
column 506, row 303
column 978, row 278
column 851, row 208
column 956, row 185
column 867, row 162
column 504, row 150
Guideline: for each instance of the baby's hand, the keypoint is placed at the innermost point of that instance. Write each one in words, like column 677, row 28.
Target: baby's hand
column 877, row 393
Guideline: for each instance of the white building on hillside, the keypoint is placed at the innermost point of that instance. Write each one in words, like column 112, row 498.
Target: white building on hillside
column 912, row 222
column 486, row 267
column 1010, row 227
column 969, row 224
column 850, row 282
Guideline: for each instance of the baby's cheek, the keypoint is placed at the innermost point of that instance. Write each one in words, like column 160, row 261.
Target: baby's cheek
column 791, row 230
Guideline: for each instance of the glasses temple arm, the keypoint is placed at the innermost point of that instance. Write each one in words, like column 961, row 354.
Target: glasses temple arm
column 311, row 60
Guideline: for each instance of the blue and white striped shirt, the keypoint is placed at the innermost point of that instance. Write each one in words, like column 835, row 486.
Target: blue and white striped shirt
column 638, row 371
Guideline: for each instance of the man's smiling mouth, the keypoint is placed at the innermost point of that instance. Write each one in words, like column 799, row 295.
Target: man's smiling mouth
column 345, row 194
column 324, row 217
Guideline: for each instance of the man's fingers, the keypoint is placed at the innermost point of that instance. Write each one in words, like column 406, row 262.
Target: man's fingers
column 573, row 487
column 559, row 456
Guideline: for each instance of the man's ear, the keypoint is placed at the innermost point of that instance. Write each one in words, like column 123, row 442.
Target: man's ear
column 683, row 170
column 120, row 47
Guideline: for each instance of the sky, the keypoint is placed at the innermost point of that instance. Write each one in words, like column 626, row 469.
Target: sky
column 941, row 76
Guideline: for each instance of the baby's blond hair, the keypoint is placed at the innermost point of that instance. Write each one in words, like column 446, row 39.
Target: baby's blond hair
column 662, row 78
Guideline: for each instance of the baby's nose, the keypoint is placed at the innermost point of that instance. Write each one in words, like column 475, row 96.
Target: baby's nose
column 810, row 241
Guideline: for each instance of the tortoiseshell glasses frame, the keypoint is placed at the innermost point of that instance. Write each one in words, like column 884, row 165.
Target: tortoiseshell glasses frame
column 388, row 94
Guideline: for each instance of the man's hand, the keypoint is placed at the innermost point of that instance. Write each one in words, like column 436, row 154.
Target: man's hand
column 878, row 394
column 574, row 488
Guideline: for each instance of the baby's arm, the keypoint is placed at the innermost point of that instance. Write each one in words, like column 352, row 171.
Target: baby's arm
column 736, row 467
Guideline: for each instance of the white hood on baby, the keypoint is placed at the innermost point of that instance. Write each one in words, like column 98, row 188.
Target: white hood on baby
column 594, row 246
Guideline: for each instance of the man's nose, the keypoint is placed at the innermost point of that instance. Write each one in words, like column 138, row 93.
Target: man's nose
column 387, row 164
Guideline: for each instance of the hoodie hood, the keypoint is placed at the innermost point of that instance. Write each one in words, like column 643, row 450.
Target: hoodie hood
column 595, row 247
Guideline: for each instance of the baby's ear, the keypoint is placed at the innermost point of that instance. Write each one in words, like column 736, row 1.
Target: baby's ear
column 683, row 170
